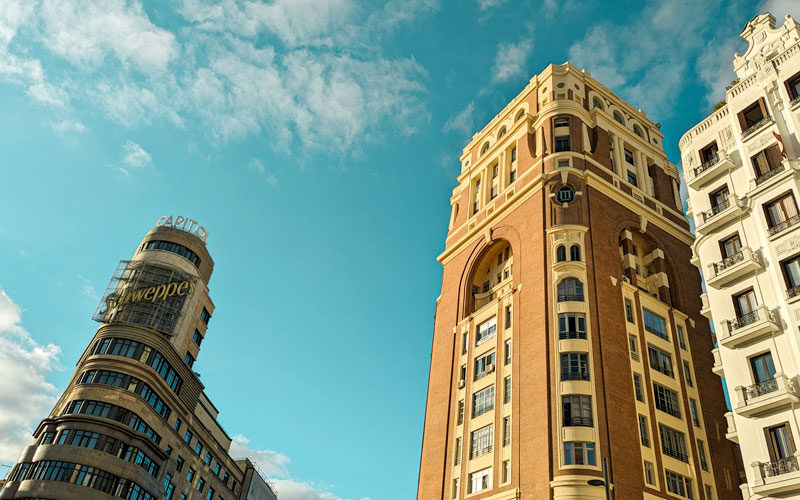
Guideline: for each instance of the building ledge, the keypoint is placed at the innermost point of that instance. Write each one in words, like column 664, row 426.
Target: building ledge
column 717, row 367
column 727, row 270
column 710, row 170
column 723, row 213
column 731, row 434
column 747, row 328
column 766, row 181
column 776, row 477
column 765, row 397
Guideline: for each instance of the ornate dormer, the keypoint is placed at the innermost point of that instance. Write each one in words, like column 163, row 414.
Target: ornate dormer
column 765, row 42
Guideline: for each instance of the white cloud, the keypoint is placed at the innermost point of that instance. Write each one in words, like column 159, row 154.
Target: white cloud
column 715, row 66
column 488, row 4
column 67, row 126
column 462, row 122
column 510, row 60
column 256, row 166
column 87, row 287
column 27, row 396
column 275, row 466
column 780, row 8
column 135, row 156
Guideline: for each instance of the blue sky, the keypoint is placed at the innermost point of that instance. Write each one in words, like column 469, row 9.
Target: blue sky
column 318, row 142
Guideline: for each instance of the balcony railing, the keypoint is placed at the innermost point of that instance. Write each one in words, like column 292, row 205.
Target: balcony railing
column 707, row 164
column 663, row 369
column 578, row 422
column 683, row 457
column 761, row 388
column 742, row 321
column 571, row 297
column 793, row 292
column 719, row 207
column 646, row 441
column 780, row 466
column 728, row 262
column 783, row 226
column 480, row 450
column 574, row 375
column 634, row 355
column 769, row 174
column 755, row 127
column 794, row 101
column 477, row 412
column 571, row 335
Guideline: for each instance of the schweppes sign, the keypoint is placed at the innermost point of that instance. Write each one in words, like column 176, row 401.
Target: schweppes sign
column 150, row 294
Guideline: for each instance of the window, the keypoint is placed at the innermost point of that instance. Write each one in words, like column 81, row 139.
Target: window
column 767, row 162
column 562, row 143
column 169, row 450
column 793, row 87
column 564, row 164
column 207, row 460
column 628, row 156
column 695, row 413
column 730, row 246
column 512, row 176
column 638, row 131
column 48, row 438
column 464, row 342
column 637, row 387
column 679, row 485
column 197, row 337
column 187, row 437
column 579, row 453
column 574, row 366
column 485, row 148
column 709, row 154
column 752, row 115
column 482, row 401
column 507, row 390
column 791, row 275
column 632, row 345
column 210, row 495
column 476, row 203
column 198, row 447
column 575, row 253
column 660, row 361
column 596, row 103
column 174, row 248
column 681, row 340
column 649, row 475
column 619, row 117
column 463, row 373
column 687, row 374
column 643, row 432
column 484, row 365
column 507, row 352
column 744, row 304
column 571, row 326
column 455, row 488
column 570, row 289
column 481, row 480
column 179, row 461
column 561, row 253
column 709, row 493
column 508, row 317
column 169, row 487
column 189, row 359
column 655, row 324
column 460, row 419
column 190, row 475
column 481, row 441
column 506, row 471
column 666, row 400
column 701, row 452
column 779, row 442
column 781, row 213
column 457, row 458
column 177, row 425
column 577, row 411
column 506, row 431
column 205, row 316
column 201, row 483
column 486, row 330
column 632, row 178
column 501, row 133
column 673, row 443
column 719, row 199
column 629, row 311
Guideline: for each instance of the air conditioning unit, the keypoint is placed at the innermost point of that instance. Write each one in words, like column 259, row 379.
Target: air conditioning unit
column 461, row 384
column 490, row 368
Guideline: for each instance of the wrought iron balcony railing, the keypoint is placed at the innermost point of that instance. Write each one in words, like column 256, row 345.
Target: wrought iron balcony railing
column 578, row 422
column 783, row 226
column 793, row 292
column 742, row 321
column 571, row 335
column 719, row 207
column 707, row 164
column 769, row 174
column 571, row 297
column 752, row 129
column 682, row 456
column 780, row 466
column 760, row 388
column 728, row 262
column 574, row 375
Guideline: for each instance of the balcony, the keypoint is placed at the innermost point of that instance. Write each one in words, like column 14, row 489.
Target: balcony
column 710, row 170
column 775, row 477
column 793, row 294
column 752, row 129
column 737, row 265
column 705, row 308
column 783, row 226
column 578, row 422
column 731, row 434
column 720, row 214
column 717, row 367
column 764, row 397
column 761, row 179
column 747, row 328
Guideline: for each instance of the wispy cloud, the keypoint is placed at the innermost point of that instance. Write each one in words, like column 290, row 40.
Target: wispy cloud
column 276, row 466
column 87, row 288
column 510, row 58
column 27, row 396
column 135, row 156
column 462, row 122
column 255, row 165
column 488, row 4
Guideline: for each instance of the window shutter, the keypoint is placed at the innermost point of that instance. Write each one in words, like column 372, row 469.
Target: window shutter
column 763, row 107
column 770, row 445
column 774, row 156
column 742, row 122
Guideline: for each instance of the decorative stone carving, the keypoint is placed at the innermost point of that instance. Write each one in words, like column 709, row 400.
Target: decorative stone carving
column 788, row 246
column 726, row 138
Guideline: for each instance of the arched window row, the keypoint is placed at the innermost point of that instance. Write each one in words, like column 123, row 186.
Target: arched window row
column 574, row 253
column 570, row 290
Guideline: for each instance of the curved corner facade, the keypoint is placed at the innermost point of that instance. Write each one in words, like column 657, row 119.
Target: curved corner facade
column 742, row 166
column 568, row 339
column 134, row 421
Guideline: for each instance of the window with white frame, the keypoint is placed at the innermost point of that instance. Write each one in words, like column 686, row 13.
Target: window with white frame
column 486, row 330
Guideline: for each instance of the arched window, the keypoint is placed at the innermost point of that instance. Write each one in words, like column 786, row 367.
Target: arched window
column 485, row 148
column 570, row 290
column 520, row 115
column 619, row 117
column 574, row 252
column 638, row 131
column 501, row 133
column 596, row 103
column 561, row 253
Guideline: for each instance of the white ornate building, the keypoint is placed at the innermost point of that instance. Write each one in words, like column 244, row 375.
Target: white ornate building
column 741, row 165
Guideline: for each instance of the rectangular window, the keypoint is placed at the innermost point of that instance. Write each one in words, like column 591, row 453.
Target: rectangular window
column 655, row 324
column 179, row 461
column 484, row 365
column 687, row 374
column 762, row 367
column 476, row 203
column 695, row 413
column 679, row 485
column 628, row 156
column 577, row 411
column 793, row 87
column 571, row 326
column 579, row 453
column 629, row 311
column 506, row 431
column 730, row 246
column 197, row 337
column 643, row 432
column 508, row 317
column 177, row 425
column 48, row 438
column 752, row 115
column 187, row 437
column 457, row 458
column 201, row 484
column 719, row 199
column 574, row 366
column 744, row 304
column 681, row 340
column 767, row 163
column 463, row 373
column 673, row 443
column 506, row 471
column 205, row 316
column 455, row 488
column 562, row 143
column 701, row 452
column 649, row 475
column 513, row 173
column 464, row 342
column 660, row 361
column 198, row 447
column 190, row 475
column 495, row 171
column 507, row 391
column 189, row 359
column 207, row 460
column 486, row 330
column 709, row 493
column 779, row 442
column 637, row 387
column 633, row 345
column 507, row 351
column 481, row 441
column 791, row 275
column 666, row 400
column 632, row 179
column 483, row 401
column 460, row 419
column 780, row 213
column 481, row 480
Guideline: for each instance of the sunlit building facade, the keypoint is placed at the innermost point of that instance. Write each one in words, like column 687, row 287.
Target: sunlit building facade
column 134, row 421
column 569, row 353
column 742, row 169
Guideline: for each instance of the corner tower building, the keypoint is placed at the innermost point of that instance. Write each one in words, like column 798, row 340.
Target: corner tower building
column 568, row 332
column 134, row 421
